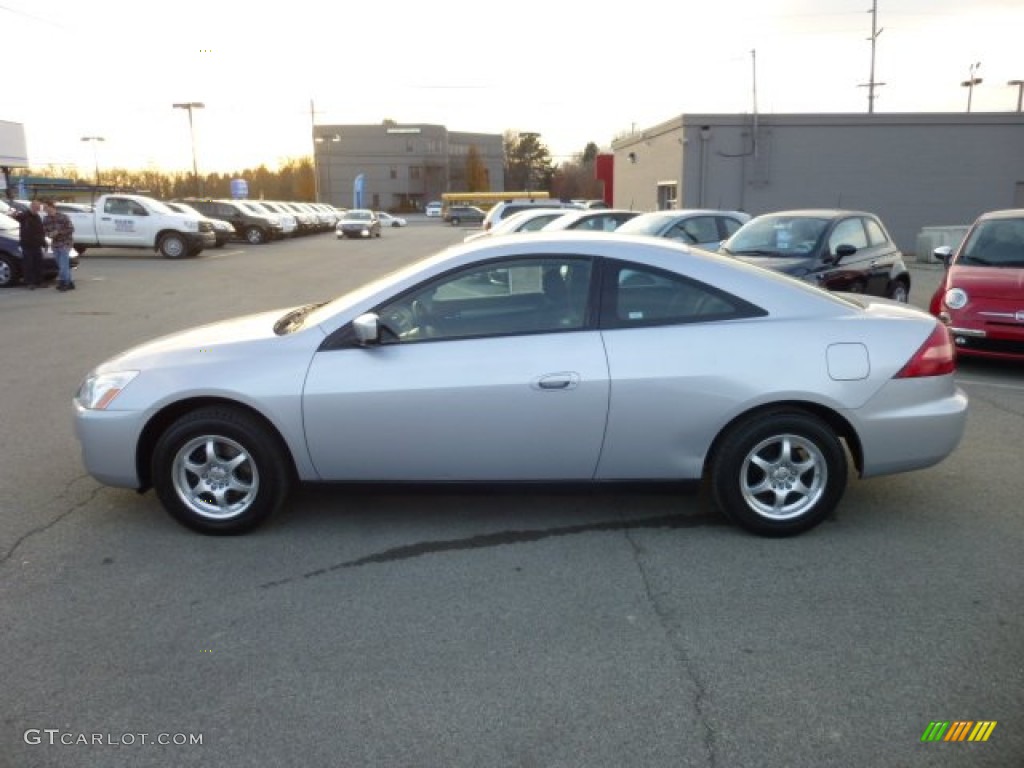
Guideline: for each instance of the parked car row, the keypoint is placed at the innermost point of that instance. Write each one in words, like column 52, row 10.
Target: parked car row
column 835, row 249
column 259, row 221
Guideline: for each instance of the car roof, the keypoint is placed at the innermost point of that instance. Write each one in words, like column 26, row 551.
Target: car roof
column 1009, row 213
column 823, row 213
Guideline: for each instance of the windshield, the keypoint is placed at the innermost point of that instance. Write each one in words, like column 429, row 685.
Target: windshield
column 644, row 225
column 181, row 207
column 157, row 207
column 995, row 243
column 251, row 208
column 358, row 216
column 778, row 236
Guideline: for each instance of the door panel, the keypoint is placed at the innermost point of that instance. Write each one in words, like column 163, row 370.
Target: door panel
column 508, row 408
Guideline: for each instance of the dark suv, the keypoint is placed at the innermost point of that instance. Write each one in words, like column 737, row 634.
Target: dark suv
column 458, row 214
column 253, row 226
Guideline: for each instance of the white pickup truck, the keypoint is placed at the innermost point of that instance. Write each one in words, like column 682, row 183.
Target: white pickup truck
column 136, row 221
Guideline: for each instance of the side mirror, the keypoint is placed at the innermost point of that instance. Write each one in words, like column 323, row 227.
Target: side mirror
column 943, row 253
column 367, row 329
column 845, row 250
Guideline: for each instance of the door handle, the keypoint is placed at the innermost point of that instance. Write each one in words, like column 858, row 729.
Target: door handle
column 557, row 381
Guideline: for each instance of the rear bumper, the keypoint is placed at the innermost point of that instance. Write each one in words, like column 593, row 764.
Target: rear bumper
column 910, row 424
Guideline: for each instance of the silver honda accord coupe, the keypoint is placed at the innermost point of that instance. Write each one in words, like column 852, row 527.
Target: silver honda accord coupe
column 561, row 357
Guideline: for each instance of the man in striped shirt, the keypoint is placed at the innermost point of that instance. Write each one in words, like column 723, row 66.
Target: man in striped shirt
column 62, row 239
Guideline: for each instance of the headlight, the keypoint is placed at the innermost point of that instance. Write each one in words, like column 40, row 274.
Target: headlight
column 99, row 390
column 956, row 298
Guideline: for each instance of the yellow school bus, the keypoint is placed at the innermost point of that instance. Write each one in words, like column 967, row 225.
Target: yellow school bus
column 487, row 200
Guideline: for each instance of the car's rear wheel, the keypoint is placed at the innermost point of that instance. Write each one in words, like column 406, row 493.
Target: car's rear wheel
column 219, row 470
column 898, row 291
column 778, row 473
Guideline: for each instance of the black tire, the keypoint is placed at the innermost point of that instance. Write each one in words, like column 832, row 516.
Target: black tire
column 219, row 470
column 254, row 236
column 173, row 246
column 10, row 273
column 778, row 473
column 898, row 291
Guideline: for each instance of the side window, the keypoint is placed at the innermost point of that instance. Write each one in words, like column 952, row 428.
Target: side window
column 135, row 209
column 117, row 206
column 729, row 226
column 847, row 232
column 876, row 236
column 497, row 299
column 636, row 296
column 703, row 229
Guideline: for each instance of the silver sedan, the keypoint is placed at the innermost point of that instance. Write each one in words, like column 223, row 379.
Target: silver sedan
column 594, row 357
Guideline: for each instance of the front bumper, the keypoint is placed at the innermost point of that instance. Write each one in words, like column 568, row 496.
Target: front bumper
column 200, row 239
column 108, row 440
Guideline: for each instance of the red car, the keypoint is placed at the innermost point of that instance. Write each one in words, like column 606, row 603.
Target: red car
column 981, row 299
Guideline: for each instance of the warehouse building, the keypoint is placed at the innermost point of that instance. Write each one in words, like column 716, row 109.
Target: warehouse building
column 913, row 170
column 399, row 167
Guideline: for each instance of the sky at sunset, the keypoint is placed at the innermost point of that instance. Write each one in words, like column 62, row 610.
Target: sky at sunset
column 567, row 70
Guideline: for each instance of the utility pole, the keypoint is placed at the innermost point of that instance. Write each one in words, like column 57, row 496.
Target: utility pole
column 195, row 166
column 1020, row 91
column 970, row 82
column 875, row 32
column 316, row 165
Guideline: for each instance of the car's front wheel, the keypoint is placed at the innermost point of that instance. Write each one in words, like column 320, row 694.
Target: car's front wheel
column 8, row 271
column 219, row 470
column 173, row 246
column 255, row 236
column 778, row 473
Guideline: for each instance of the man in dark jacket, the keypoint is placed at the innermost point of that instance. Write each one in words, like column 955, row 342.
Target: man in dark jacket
column 33, row 241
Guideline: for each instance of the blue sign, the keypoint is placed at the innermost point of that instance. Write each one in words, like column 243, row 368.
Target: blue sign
column 239, row 189
column 358, row 191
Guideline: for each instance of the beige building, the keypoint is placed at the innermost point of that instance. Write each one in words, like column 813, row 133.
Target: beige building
column 400, row 167
column 913, row 170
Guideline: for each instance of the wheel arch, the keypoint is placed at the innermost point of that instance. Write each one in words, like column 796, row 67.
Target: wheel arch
column 166, row 416
column 834, row 420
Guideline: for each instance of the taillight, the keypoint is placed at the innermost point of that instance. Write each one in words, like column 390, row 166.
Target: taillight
column 936, row 357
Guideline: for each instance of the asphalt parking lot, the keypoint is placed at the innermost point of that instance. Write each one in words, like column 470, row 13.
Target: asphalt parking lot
column 483, row 627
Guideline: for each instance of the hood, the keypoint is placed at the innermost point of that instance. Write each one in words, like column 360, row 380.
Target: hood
column 213, row 341
column 987, row 282
column 797, row 266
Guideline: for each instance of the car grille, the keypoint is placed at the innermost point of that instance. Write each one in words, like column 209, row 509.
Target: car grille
column 999, row 346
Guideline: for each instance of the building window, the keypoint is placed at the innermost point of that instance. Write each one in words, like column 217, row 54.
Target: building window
column 667, row 195
column 394, row 172
column 414, row 172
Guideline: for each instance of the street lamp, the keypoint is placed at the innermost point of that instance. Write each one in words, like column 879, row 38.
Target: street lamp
column 970, row 82
column 1020, row 91
column 327, row 140
column 190, row 105
column 95, row 158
